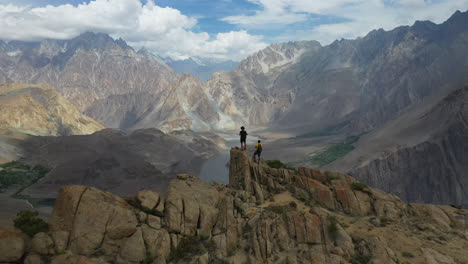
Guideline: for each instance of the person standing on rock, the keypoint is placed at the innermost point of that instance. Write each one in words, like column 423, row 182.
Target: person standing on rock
column 243, row 137
column 258, row 151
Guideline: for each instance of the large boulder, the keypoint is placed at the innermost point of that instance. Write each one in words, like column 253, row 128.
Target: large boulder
column 94, row 214
column 134, row 249
column 158, row 241
column 190, row 205
column 12, row 244
column 148, row 199
column 42, row 244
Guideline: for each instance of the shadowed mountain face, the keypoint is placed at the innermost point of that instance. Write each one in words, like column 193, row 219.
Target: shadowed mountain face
column 422, row 156
column 114, row 161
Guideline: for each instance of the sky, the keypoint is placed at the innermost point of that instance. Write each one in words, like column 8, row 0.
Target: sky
column 214, row 29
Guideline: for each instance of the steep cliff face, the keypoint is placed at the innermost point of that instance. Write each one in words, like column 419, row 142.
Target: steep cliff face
column 265, row 215
column 40, row 110
column 421, row 156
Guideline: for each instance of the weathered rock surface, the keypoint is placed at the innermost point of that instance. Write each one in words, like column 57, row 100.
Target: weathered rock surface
column 12, row 244
column 205, row 223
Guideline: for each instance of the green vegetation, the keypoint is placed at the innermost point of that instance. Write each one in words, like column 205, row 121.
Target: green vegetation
column 334, row 152
column 16, row 173
column 331, row 130
column 359, row 186
column 407, row 254
column 359, row 258
column 281, row 209
column 333, row 227
column 191, row 246
column 277, row 164
column 30, row 223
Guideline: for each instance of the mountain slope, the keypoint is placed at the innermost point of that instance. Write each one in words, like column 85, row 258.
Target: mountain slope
column 420, row 156
column 40, row 110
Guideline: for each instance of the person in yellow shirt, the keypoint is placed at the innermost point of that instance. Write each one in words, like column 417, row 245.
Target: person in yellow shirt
column 258, row 151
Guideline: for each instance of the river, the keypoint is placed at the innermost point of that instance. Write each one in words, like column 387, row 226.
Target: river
column 217, row 168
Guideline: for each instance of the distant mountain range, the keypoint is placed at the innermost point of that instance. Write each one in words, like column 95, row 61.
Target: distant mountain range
column 199, row 67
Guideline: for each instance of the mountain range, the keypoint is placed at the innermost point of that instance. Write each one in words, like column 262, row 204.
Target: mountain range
column 374, row 87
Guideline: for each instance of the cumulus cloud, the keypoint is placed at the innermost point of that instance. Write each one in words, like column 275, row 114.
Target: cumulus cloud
column 163, row 30
column 356, row 17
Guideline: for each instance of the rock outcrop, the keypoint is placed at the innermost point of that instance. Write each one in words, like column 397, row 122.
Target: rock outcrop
column 264, row 215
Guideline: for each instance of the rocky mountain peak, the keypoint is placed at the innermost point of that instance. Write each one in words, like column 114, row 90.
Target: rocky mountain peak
column 264, row 215
column 275, row 56
column 99, row 41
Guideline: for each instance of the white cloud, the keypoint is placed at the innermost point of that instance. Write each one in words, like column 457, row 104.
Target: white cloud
column 163, row 30
column 359, row 16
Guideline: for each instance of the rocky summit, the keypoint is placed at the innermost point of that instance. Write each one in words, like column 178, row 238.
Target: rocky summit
column 264, row 215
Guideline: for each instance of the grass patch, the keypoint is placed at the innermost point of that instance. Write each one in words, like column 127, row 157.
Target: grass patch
column 334, row 152
column 16, row 173
column 282, row 209
column 277, row 164
column 30, row 223
column 359, row 258
column 189, row 247
column 333, row 228
column 407, row 254
column 359, row 186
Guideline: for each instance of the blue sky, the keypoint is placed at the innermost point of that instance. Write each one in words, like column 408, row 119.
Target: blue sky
column 218, row 29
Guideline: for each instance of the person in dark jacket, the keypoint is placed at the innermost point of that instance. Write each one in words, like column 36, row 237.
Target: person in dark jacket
column 243, row 137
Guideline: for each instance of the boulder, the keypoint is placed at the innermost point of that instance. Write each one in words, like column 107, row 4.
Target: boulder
column 134, row 249
column 75, row 259
column 94, row 214
column 148, row 199
column 154, row 221
column 12, row 244
column 42, row 244
column 60, row 239
column 33, row 259
column 157, row 241
column 65, row 208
